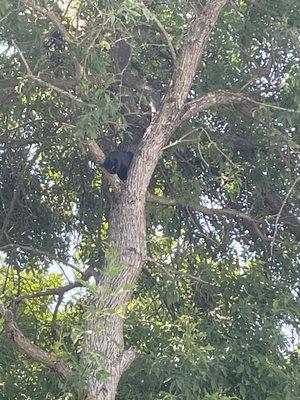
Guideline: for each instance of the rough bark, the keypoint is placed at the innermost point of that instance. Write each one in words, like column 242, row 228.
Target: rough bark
column 104, row 329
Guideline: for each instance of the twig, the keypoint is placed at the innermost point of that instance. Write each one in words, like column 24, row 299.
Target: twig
column 58, row 291
column 272, row 106
column 219, row 150
column 181, row 140
column 40, row 252
column 22, row 58
column 281, row 209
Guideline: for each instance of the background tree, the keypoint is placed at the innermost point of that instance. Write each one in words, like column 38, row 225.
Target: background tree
column 199, row 247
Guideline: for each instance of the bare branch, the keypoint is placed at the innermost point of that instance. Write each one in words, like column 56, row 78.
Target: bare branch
column 95, row 150
column 62, row 83
column 213, row 99
column 169, row 116
column 34, row 352
column 229, row 212
column 98, row 156
column 40, row 252
column 224, row 97
column 193, row 48
column 55, row 88
column 22, row 58
column 171, row 271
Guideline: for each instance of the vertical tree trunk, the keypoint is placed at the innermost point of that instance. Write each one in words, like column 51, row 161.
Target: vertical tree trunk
column 104, row 343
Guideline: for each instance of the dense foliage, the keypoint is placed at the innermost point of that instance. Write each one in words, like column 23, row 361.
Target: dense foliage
column 216, row 311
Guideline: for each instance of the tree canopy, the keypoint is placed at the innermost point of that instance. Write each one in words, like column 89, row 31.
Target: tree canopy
column 192, row 264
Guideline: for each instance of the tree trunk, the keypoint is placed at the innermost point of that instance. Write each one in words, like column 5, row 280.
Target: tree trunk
column 104, row 343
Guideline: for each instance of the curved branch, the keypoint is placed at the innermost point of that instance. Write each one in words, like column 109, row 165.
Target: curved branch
column 166, row 35
column 213, row 99
column 34, row 352
column 229, row 212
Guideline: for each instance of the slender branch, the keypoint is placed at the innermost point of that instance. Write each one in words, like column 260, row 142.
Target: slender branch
column 58, row 291
column 40, row 252
column 55, row 88
column 229, row 212
column 128, row 79
column 282, row 206
column 166, row 35
column 224, row 97
column 61, row 83
column 48, row 85
column 46, row 12
column 33, row 351
column 171, row 271
column 274, row 107
column 213, row 99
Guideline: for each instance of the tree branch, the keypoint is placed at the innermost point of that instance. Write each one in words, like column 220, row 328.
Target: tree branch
column 48, row 85
column 193, row 48
column 169, row 116
column 212, row 99
column 40, row 252
column 34, row 352
column 58, row 291
column 166, row 35
column 229, row 212
column 49, row 14
column 98, row 157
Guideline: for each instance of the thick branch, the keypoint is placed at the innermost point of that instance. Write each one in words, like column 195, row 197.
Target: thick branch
column 98, row 157
column 193, row 48
column 167, row 119
column 208, row 100
column 34, row 352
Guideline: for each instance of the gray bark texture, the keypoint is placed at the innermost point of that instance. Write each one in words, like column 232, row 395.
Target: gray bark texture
column 127, row 225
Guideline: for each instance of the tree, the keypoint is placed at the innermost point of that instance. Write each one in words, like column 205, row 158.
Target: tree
column 205, row 94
